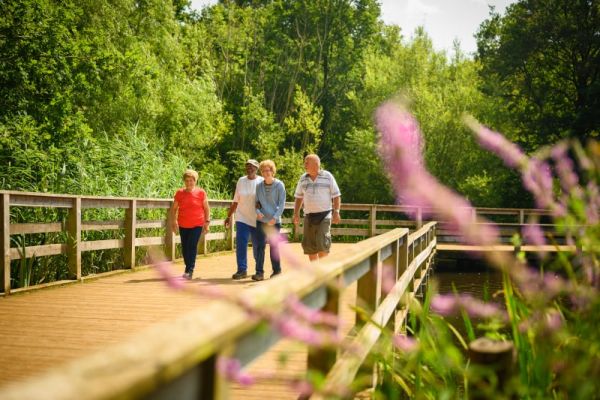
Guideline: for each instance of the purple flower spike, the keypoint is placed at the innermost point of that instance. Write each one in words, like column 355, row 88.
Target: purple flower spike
column 553, row 320
column 311, row 315
column 566, row 170
column 509, row 152
column 537, row 179
column 533, row 234
column 444, row 304
column 404, row 343
column 164, row 270
column 231, row 369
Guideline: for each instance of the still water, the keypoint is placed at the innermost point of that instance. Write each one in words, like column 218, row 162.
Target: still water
column 472, row 278
column 479, row 283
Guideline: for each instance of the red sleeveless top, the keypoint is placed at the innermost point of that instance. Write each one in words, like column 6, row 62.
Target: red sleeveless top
column 191, row 207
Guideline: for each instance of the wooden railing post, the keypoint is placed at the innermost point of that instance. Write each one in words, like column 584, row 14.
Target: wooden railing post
column 74, row 239
column 392, row 273
column 130, row 233
column 419, row 218
column 368, row 288
column 322, row 359
column 231, row 233
column 169, row 236
column 202, row 246
column 521, row 216
column 373, row 221
column 5, row 239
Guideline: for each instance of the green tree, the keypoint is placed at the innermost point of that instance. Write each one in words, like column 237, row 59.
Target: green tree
column 543, row 59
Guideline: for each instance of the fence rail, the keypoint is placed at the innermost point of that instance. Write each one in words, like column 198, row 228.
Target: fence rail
column 376, row 219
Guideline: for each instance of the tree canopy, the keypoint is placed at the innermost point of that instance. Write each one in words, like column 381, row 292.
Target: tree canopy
column 117, row 96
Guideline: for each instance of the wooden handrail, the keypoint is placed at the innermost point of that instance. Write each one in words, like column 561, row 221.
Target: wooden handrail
column 161, row 354
column 371, row 226
column 345, row 369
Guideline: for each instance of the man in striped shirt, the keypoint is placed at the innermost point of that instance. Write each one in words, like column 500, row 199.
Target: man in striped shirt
column 320, row 194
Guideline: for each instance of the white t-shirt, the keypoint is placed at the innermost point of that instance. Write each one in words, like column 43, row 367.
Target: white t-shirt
column 317, row 194
column 245, row 196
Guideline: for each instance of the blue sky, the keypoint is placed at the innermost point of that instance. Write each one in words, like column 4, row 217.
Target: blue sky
column 444, row 20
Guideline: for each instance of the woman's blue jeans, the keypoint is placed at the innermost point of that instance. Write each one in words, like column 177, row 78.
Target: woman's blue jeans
column 189, row 246
column 260, row 253
column 243, row 234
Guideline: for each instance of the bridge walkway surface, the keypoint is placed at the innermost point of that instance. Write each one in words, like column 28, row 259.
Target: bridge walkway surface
column 45, row 328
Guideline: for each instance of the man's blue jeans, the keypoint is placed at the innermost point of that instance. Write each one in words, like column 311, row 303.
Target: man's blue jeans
column 260, row 253
column 244, row 233
column 189, row 246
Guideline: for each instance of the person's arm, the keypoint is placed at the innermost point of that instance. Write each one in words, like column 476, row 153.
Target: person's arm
column 233, row 207
column 174, row 227
column 337, row 202
column 297, row 205
column 230, row 212
column 298, row 200
column 206, row 214
column 260, row 214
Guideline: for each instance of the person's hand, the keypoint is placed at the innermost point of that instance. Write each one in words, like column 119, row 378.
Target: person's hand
column 296, row 219
column 227, row 222
column 272, row 221
column 206, row 227
column 259, row 216
column 336, row 217
column 175, row 227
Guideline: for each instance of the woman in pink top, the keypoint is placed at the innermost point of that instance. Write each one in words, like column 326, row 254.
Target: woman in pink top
column 190, row 213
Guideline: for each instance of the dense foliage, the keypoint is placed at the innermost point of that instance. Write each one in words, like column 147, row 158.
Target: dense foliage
column 89, row 87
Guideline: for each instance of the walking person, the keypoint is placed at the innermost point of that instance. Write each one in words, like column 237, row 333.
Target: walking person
column 244, row 207
column 190, row 214
column 318, row 191
column 270, row 203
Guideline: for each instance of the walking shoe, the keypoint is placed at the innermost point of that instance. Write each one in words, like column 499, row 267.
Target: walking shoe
column 275, row 273
column 187, row 276
column 239, row 275
column 258, row 277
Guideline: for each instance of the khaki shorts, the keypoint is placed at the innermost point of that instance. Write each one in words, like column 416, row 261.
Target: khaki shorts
column 317, row 237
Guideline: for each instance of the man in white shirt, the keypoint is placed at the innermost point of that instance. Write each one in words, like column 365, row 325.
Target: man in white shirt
column 244, row 207
column 317, row 190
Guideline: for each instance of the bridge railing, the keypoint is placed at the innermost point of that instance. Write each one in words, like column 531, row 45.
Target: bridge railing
column 178, row 359
column 359, row 221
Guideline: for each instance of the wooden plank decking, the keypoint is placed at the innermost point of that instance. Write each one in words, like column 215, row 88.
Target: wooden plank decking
column 45, row 328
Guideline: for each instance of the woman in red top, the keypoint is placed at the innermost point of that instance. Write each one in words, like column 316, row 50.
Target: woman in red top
column 190, row 213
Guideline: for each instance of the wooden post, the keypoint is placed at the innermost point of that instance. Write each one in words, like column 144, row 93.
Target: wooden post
column 169, row 236
column 373, row 221
column 368, row 288
column 130, row 231
column 231, row 233
column 322, row 359
column 202, row 247
column 419, row 218
column 521, row 216
column 402, row 256
column 5, row 239
column 74, row 239
column 391, row 273
column 497, row 356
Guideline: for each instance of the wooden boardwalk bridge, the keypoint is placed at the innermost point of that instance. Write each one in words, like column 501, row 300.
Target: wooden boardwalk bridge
column 125, row 334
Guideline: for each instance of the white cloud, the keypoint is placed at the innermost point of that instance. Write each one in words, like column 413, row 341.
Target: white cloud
column 418, row 8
